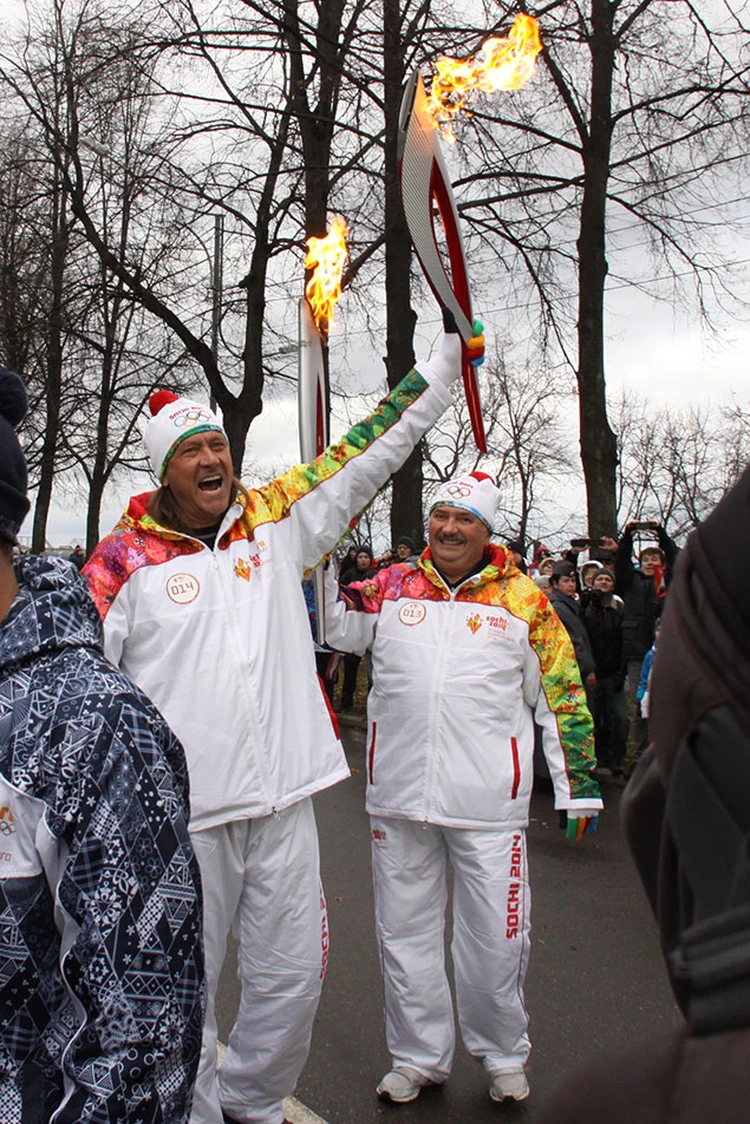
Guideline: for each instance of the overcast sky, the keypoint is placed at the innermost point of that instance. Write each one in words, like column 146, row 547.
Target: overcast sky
column 655, row 348
column 661, row 354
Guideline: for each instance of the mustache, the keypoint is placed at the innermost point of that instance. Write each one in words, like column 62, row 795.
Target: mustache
column 455, row 538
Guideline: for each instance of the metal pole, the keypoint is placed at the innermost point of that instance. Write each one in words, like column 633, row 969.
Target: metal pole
column 217, row 284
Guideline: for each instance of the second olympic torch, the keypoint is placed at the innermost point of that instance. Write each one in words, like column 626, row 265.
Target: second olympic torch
column 325, row 258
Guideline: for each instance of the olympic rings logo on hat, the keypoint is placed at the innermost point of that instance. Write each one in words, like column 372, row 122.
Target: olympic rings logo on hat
column 190, row 418
column 461, row 490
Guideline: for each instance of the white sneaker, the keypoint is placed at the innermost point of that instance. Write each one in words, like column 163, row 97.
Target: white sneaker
column 509, row 1085
column 402, row 1085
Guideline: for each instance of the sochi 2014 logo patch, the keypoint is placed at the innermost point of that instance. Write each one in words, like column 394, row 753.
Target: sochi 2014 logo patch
column 474, row 623
column 183, row 588
column 7, row 822
column 413, row 612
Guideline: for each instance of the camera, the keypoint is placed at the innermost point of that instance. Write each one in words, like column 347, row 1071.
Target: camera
column 585, row 542
column 644, row 525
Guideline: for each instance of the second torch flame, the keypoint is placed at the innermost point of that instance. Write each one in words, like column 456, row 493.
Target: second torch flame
column 326, row 257
column 500, row 64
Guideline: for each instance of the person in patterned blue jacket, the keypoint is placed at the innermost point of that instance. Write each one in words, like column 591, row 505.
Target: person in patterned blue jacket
column 101, row 964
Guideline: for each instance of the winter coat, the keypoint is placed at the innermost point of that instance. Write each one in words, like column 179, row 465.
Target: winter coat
column 458, row 679
column 642, row 604
column 355, row 575
column 602, row 615
column 220, row 638
column 101, row 969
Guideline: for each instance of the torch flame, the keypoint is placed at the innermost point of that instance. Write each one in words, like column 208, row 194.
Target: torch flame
column 500, row 64
column 326, row 258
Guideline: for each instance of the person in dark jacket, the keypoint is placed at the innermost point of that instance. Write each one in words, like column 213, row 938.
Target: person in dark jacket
column 518, row 550
column 642, row 589
column 404, row 549
column 78, row 557
column 101, row 963
column 562, row 587
column 687, row 822
column 602, row 615
column 364, row 567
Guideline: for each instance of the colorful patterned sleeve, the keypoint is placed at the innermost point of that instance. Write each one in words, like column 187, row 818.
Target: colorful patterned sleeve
column 369, row 453
column 565, row 697
column 273, row 501
column 105, row 572
column 125, row 550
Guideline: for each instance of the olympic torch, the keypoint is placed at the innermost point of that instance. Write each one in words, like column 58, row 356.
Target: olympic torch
column 425, row 183
column 325, row 259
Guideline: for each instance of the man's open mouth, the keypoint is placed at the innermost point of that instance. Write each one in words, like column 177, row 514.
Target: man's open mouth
column 211, row 484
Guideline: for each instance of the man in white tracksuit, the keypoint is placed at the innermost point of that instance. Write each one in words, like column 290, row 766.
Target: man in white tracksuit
column 200, row 589
column 466, row 653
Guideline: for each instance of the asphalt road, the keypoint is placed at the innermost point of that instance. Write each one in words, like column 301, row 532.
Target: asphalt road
column 596, row 981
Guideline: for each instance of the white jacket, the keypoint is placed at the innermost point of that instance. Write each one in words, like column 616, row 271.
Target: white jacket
column 458, row 679
column 220, row 639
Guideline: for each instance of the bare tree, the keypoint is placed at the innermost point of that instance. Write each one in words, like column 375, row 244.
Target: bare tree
column 526, row 441
column 633, row 128
column 94, row 374
column 674, row 465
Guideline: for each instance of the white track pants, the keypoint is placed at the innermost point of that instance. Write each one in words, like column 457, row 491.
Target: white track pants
column 490, row 948
column 261, row 879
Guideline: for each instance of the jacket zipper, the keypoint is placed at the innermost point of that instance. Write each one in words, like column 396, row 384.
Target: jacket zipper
column 243, row 680
column 229, row 617
column 438, row 693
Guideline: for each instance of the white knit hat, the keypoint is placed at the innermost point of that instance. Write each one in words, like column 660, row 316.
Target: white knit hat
column 476, row 492
column 173, row 420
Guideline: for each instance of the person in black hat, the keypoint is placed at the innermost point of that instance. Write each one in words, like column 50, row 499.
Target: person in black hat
column 404, row 550
column 517, row 549
column 363, row 568
column 562, row 595
column 602, row 616
column 101, row 962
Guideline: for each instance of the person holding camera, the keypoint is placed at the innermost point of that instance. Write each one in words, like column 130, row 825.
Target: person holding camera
column 602, row 614
column 642, row 588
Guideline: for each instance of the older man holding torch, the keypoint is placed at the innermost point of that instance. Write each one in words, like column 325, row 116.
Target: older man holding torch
column 466, row 654
column 200, row 589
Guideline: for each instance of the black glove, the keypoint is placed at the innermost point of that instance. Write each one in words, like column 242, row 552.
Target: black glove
column 449, row 322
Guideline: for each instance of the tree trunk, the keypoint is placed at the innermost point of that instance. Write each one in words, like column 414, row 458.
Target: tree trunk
column 598, row 444
column 93, row 512
column 53, row 381
column 98, row 477
column 406, row 507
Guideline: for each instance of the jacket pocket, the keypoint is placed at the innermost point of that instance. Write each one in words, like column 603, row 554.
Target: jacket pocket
column 516, row 768
column 371, row 754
